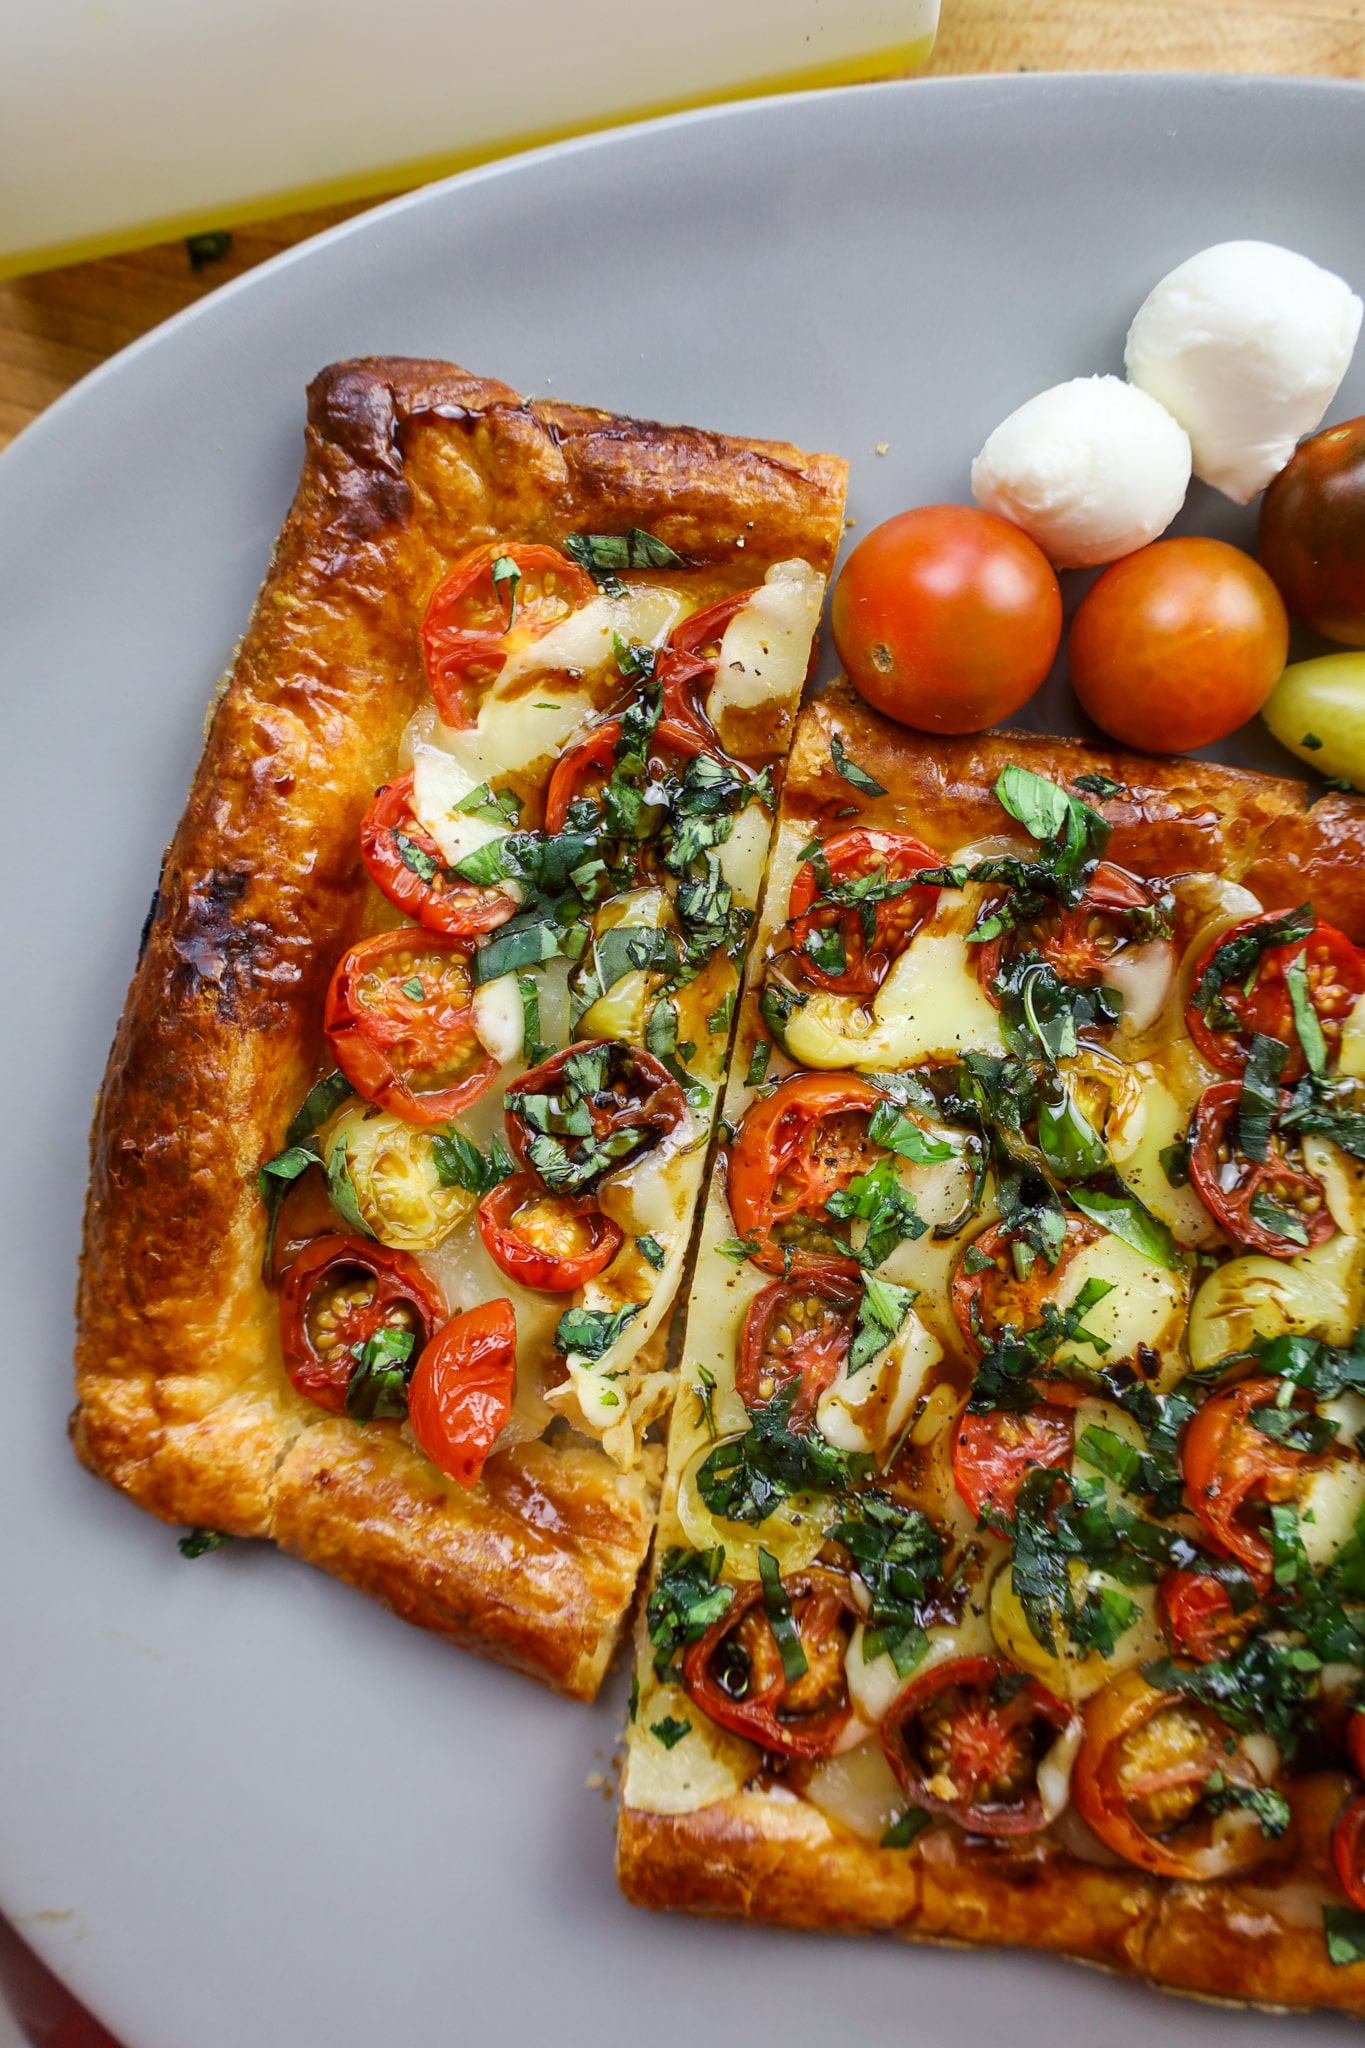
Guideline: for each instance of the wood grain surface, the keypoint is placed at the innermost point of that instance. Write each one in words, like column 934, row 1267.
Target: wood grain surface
column 58, row 325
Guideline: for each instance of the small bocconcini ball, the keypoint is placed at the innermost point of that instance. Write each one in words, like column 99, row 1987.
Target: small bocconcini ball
column 1091, row 470
column 1246, row 343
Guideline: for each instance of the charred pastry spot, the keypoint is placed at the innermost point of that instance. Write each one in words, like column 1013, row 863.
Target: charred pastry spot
column 354, row 411
column 237, row 957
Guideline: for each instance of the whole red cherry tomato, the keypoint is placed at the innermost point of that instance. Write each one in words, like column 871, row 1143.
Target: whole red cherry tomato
column 1178, row 644
column 947, row 618
column 1312, row 537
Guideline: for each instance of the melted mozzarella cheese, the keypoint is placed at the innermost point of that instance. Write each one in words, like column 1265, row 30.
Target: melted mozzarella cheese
column 585, row 639
column 1351, row 1053
column 931, row 1006
column 1072, row 1674
column 707, row 1763
column 499, row 1020
column 1329, row 1507
column 1145, row 1307
column 765, row 651
column 858, row 1789
column 741, row 855
column 867, row 1410
column 1259, row 1297
column 439, row 785
column 1171, row 1083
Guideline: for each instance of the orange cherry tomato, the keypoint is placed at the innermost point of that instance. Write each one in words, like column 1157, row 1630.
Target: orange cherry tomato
column 1312, row 537
column 977, row 1725
column 1334, row 973
column 407, row 864
column 554, row 1242
column 947, row 618
column 1348, row 1852
column 1200, row 1619
column 795, row 1147
column 472, row 624
column 735, row 1674
column 399, row 1018
column 986, row 1300
column 1228, row 1182
column 340, row 1292
column 851, row 857
column 460, row 1394
column 1232, row 1472
column 994, row 1453
column 800, row 1330
column 1178, row 644
column 1139, row 1779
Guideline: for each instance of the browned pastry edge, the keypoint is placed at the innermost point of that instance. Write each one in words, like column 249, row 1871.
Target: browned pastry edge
column 776, row 1858
column 182, row 1401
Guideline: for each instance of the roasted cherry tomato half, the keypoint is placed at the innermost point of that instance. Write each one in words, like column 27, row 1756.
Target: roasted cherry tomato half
column 583, row 771
column 800, row 1330
column 1312, row 537
column 687, row 667
column 947, row 618
column 820, row 929
column 966, row 1738
column 472, row 623
column 795, row 1148
column 340, row 1292
column 994, row 1453
column 993, row 1297
column 406, row 863
column 1348, row 1852
column 460, row 1394
column 735, row 1673
column 1355, row 1740
column 554, row 1242
column 1201, row 1622
column 1234, row 1472
column 1272, row 1205
column 1335, row 974
column 400, row 1021
column 1146, row 1764
column 627, row 1100
column 1078, row 944
column 1177, row 644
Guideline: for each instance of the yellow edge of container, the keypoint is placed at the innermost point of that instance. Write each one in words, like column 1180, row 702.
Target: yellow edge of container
column 391, row 178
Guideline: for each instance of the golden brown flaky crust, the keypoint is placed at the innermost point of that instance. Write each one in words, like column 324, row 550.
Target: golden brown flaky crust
column 183, row 1401
column 764, row 1854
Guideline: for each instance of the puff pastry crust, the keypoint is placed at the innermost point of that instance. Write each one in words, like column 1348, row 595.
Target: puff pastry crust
column 766, row 1853
column 182, row 1399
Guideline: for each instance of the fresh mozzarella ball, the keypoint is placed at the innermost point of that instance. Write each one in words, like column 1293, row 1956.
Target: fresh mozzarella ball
column 1091, row 470
column 1246, row 344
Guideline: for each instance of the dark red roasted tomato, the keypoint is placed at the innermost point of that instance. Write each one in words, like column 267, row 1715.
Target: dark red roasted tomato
column 553, row 1242
column 1234, row 1472
column 687, row 667
column 1261, row 1002
column 735, row 1672
column 794, row 1149
column 628, row 1101
column 835, row 933
column 400, row 1021
column 800, row 1330
column 994, row 1453
column 1272, row 1205
column 1080, row 942
column 340, row 1292
column 1201, row 1621
column 994, row 1296
column 406, row 863
column 473, row 621
column 966, row 1738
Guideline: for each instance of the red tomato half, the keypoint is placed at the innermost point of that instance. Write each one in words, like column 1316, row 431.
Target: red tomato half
column 974, row 1724
column 794, row 1149
column 554, row 1242
column 851, row 857
column 735, row 1674
column 1312, row 537
column 471, row 624
column 636, row 1105
column 400, row 1021
column 1334, row 970
column 1178, row 644
column 687, row 667
column 1348, row 1852
column 581, row 772
column 340, row 1292
column 1233, row 1473
column 796, row 1330
column 1228, row 1182
column 408, row 866
column 461, row 1391
column 994, row 1453
column 986, row 1300
column 947, row 618
column 1078, row 944
column 1200, row 1619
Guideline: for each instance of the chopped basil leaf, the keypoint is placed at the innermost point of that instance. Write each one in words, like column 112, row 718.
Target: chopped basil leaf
column 737, row 1248
column 414, row 990
column 901, row 1134
column 606, row 555
column 1125, row 1216
column 1343, row 1930
column 865, row 784
column 1175, row 1163
column 200, row 1542
column 460, row 1164
column 905, row 1828
column 341, row 1191
column 744, row 1479
column 424, row 865
column 881, row 1201
column 758, row 1063
column 651, row 1251
column 1100, row 785
column 898, row 1554
column 506, row 577
column 495, row 807
column 1312, row 742
column 1067, row 1139
column 1283, row 1222
column 779, row 1611
column 881, row 1316
column 1306, row 1021
column 669, row 1731
column 685, row 1601
column 1238, row 958
column 705, row 1392
column 718, row 1023
column 583, row 1336
column 1268, row 1685
column 378, row 1386
column 1259, row 1102
column 287, row 1166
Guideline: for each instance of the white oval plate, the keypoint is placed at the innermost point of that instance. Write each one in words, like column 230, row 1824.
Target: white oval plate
column 238, row 1804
